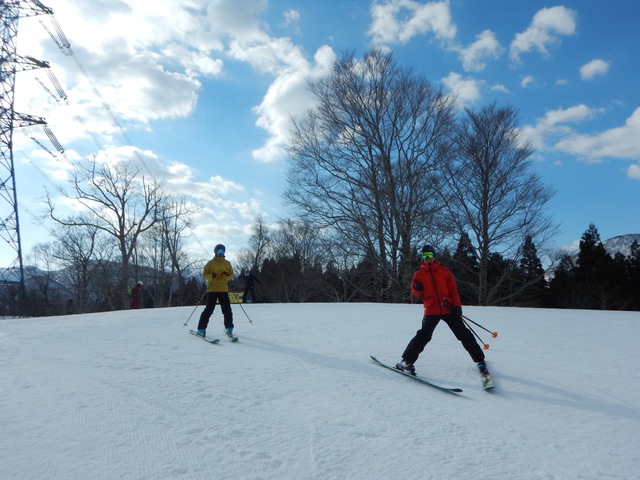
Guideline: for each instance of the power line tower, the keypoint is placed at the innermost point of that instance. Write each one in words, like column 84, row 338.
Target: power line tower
column 10, row 64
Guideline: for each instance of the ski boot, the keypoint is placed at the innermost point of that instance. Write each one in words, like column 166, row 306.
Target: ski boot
column 406, row 367
column 482, row 366
column 229, row 332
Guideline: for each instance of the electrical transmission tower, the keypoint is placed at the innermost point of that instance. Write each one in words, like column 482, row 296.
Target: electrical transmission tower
column 10, row 64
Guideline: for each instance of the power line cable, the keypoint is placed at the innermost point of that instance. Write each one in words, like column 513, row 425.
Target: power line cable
column 65, row 47
column 61, row 40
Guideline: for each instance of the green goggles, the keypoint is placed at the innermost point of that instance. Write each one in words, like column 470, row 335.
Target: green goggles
column 426, row 255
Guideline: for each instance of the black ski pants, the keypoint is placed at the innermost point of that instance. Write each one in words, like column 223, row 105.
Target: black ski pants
column 225, row 305
column 457, row 326
column 249, row 291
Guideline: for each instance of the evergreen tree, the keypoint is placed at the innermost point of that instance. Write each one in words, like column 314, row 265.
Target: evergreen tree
column 504, row 281
column 530, row 264
column 632, row 265
column 599, row 278
column 562, row 291
column 592, row 251
column 465, row 267
column 531, row 275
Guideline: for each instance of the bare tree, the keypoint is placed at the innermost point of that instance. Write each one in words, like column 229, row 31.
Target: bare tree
column 163, row 250
column 292, row 271
column 491, row 192
column 42, row 275
column 176, row 222
column 76, row 250
column 116, row 200
column 363, row 161
column 259, row 242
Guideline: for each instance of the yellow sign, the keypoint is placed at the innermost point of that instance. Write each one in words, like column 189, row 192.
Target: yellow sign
column 235, row 297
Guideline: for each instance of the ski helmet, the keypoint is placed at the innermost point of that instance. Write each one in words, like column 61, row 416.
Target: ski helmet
column 428, row 252
column 219, row 249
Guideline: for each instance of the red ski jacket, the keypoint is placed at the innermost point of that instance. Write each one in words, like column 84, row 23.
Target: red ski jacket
column 439, row 289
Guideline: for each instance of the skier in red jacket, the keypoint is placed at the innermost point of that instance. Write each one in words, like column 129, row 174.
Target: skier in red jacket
column 136, row 296
column 437, row 287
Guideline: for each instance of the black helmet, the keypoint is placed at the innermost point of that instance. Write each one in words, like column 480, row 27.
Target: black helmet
column 428, row 252
column 219, row 249
column 429, row 248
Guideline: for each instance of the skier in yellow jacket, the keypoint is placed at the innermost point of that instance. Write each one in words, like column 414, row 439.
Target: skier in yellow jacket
column 218, row 272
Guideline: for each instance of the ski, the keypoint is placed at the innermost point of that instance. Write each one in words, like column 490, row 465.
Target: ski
column 416, row 377
column 210, row 340
column 232, row 338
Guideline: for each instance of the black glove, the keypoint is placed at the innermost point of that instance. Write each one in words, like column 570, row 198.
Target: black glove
column 457, row 312
column 417, row 286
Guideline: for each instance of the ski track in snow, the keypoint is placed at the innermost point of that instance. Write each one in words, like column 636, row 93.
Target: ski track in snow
column 131, row 395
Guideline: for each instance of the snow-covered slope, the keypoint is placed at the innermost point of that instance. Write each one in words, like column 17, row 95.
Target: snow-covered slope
column 130, row 395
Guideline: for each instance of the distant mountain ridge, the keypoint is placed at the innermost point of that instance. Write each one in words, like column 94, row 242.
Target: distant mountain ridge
column 621, row 243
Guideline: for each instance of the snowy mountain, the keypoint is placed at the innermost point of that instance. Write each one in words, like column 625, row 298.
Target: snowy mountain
column 621, row 243
column 132, row 395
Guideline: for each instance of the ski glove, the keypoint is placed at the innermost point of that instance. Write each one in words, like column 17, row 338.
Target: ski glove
column 417, row 286
column 457, row 312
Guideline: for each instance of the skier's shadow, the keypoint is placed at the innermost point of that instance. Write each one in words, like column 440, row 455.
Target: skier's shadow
column 566, row 398
column 314, row 358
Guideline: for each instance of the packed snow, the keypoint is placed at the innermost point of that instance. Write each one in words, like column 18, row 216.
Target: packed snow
column 131, row 395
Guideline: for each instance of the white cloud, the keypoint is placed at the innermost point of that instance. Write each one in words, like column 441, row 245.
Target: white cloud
column 526, row 81
column 619, row 142
column 593, row 69
column 535, row 135
column 291, row 17
column 148, row 64
column 554, row 125
column 634, row 171
column 288, row 96
column 546, row 28
column 398, row 21
column 485, row 46
column 141, row 64
column 554, row 132
column 465, row 90
column 234, row 18
column 575, row 114
column 500, row 88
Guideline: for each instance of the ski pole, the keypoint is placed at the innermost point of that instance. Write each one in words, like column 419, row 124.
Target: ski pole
column 484, row 345
column 194, row 308
column 245, row 312
column 493, row 334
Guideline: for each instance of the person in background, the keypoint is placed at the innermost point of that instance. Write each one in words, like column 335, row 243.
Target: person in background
column 435, row 285
column 249, row 287
column 218, row 272
column 136, row 295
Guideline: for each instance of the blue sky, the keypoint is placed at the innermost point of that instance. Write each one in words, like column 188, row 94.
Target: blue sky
column 203, row 91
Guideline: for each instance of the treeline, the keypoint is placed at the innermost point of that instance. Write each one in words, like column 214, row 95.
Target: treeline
column 596, row 280
column 50, row 293
column 296, row 263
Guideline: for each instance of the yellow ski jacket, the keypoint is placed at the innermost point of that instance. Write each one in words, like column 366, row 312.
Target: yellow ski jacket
column 218, row 272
